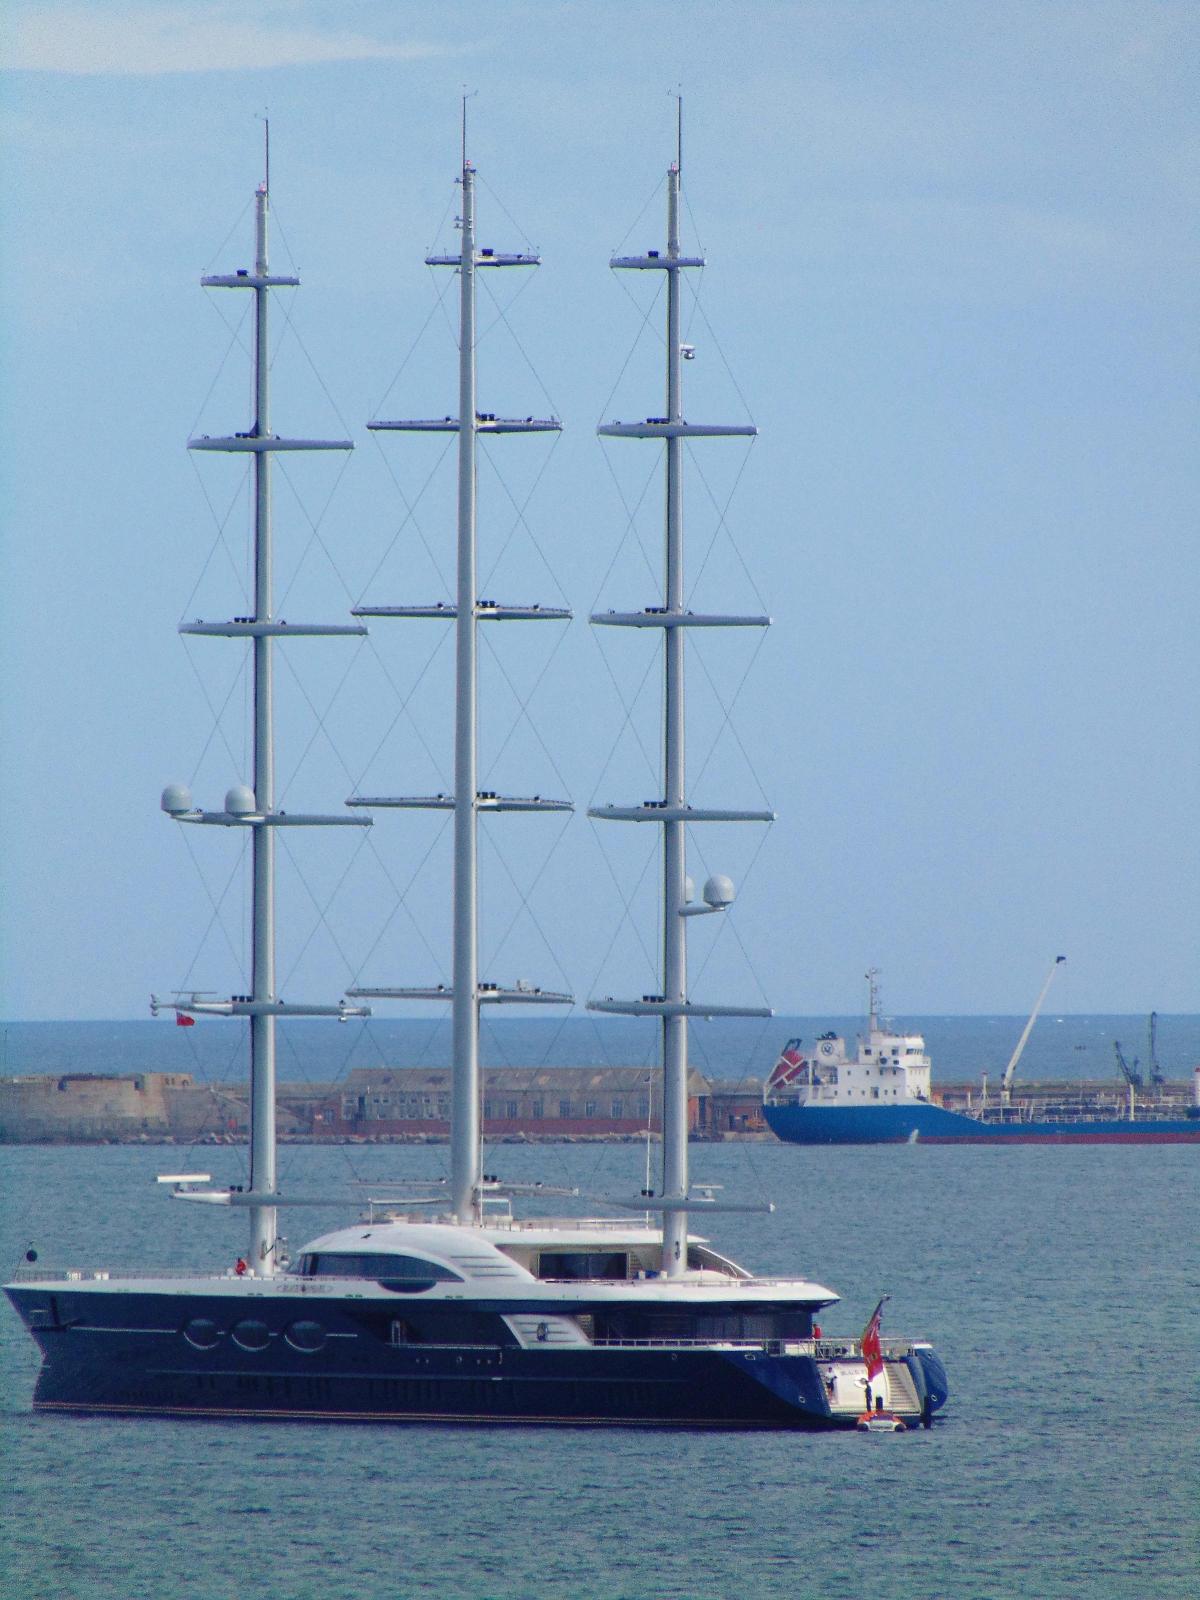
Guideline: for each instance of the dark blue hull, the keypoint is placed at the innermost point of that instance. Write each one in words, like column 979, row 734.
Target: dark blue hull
column 128, row 1353
column 929, row 1124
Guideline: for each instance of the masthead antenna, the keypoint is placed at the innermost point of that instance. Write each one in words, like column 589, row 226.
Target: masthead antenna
column 266, row 122
column 466, row 95
column 677, row 94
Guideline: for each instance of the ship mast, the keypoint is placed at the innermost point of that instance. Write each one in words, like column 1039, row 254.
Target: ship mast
column 255, row 807
column 673, row 812
column 467, row 992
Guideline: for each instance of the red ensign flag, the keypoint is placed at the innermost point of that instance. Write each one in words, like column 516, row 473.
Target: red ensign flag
column 872, row 1349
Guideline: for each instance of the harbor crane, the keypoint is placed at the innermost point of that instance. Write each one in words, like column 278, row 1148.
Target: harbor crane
column 1010, row 1069
column 1157, row 1076
column 1130, row 1073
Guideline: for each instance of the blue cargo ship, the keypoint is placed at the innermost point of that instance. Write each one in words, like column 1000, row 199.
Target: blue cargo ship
column 882, row 1094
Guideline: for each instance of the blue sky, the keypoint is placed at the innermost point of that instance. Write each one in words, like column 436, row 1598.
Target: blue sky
column 952, row 271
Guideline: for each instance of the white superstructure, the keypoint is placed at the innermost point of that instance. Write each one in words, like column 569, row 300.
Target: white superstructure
column 887, row 1068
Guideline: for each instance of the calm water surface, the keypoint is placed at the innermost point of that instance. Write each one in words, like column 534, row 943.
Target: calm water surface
column 1060, row 1286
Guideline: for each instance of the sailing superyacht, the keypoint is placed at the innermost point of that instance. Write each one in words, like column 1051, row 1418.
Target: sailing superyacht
column 447, row 1307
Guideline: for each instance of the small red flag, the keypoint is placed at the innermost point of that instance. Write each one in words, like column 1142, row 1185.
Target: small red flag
column 872, row 1349
column 182, row 1020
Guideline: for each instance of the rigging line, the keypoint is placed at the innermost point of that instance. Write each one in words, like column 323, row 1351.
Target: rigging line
column 723, row 358
column 402, row 896
column 321, row 721
column 440, row 295
column 220, row 542
column 637, row 338
column 277, row 221
column 450, row 328
column 321, row 910
column 650, row 199
column 525, row 895
column 736, row 936
column 482, row 183
column 441, row 644
column 658, row 332
column 207, row 271
column 723, row 524
column 651, row 760
column 233, row 324
column 235, row 760
column 501, row 316
column 523, row 704
column 410, row 510
column 691, row 216
column 434, row 249
column 520, row 520
column 290, row 325
column 314, row 537
column 727, row 717
column 218, row 904
column 630, row 524
column 652, row 476
column 235, row 338
column 627, row 899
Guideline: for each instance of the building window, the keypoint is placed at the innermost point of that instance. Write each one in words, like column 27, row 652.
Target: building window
column 643, row 1108
column 487, row 1108
column 618, row 1110
column 589, row 1109
column 443, row 1105
column 564, row 1108
column 538, row 1111
column 510, row 1110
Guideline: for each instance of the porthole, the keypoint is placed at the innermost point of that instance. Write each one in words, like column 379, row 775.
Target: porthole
column 201, row 1333
column 306, row 1336
column 251, row 1334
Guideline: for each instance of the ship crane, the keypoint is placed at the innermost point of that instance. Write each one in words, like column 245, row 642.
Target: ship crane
column 1010, row 1069
column 1157, row 1076
column 1130, row 1073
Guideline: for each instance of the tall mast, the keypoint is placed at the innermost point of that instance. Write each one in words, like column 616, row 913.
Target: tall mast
column 262, row 983
column 465, row 1145
column 467, row 992
column 255, row 807
column 674, row 1024
column 673, row 812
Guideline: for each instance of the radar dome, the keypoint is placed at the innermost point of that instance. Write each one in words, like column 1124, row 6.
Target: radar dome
column 240, row 802
column 719, row 890
column 176, row 798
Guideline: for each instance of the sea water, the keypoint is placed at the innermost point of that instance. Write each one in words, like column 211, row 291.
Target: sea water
column 1060, row 1286
column 1060, row 1047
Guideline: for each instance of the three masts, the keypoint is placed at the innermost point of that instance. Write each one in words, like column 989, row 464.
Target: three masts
column 672, row 813
column 470, row 1316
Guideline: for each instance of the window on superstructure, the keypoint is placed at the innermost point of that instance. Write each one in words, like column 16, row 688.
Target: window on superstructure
column 411, row 1272
column 580, row 1265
